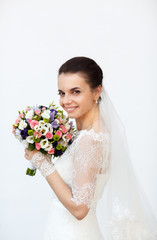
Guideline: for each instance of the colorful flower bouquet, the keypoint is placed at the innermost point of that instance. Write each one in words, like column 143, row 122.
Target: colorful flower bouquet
column 46, row 129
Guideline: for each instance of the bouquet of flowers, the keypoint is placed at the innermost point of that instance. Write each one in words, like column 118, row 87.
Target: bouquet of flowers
column 46, row 129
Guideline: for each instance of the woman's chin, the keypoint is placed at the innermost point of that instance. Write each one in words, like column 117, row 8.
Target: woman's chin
column 71, row 115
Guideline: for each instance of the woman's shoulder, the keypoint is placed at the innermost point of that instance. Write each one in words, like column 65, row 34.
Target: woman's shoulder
column 92, row 135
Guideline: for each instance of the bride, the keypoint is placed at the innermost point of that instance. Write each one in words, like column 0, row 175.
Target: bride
column 96, row 193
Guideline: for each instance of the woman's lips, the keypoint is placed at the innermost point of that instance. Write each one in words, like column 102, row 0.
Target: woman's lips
column 70, row 109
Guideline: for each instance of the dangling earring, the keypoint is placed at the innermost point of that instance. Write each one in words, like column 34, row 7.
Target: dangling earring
column 96, row 101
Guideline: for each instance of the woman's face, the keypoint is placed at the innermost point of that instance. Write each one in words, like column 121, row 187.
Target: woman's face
column 76, row 97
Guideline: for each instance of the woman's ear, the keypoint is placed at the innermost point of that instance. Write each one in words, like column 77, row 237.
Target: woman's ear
column 97, row 92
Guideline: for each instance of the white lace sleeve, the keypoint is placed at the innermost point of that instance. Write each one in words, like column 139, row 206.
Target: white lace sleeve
column 87, row 164
column 43, row 163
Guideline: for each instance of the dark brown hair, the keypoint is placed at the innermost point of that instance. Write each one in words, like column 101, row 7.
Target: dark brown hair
column 86, row 66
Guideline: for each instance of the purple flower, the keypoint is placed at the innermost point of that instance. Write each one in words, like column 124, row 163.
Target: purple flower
column 52, row 114
column 17, row 132
column 40, row 107
column 24, row 133
column 58, row 153
column 71, row 125
column 54, row 124
column 54, row 144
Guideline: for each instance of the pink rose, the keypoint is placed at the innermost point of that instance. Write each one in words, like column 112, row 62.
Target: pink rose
column 68, row 136
column 13, row 130
column 30, row 120
column 21, row 115
column 37, row 112
column 16, row 122
column 38, row 146
column 33, row 123
column 64, row 130
column 49, row 135
column 51, row 151
column 59, row 133
column 37, row 134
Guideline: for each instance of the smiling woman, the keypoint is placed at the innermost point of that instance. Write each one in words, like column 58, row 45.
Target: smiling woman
column 93, row 181
column 78, row 99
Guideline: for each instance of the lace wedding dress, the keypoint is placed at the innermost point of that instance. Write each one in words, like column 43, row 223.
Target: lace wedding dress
column 97, row 168
column 82, row 169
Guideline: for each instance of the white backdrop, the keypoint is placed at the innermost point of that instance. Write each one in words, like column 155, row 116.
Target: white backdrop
column 36, row 37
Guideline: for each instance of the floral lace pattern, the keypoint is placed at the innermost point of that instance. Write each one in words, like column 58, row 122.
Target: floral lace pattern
column 43, row 163
column 124, row 225
column 88, row 163
column 86, row 172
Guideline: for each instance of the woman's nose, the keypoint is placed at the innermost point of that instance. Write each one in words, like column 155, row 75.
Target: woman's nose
column 67, row 100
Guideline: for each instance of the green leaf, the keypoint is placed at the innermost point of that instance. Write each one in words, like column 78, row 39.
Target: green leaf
column 31, row 146
column 43, row 151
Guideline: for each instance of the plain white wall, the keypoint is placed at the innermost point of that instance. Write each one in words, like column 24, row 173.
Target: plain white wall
column 36, row 37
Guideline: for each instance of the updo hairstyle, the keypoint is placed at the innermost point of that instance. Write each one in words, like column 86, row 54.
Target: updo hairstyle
column 88, row 67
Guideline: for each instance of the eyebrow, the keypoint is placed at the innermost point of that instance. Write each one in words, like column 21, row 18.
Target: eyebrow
column 72, row 89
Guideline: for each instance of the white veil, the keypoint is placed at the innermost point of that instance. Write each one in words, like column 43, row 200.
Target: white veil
column 123, row 212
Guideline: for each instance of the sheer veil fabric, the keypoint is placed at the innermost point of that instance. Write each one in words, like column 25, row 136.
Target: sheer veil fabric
column 123, row 211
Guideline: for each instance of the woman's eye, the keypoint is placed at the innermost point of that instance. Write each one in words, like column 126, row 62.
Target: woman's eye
column 60, row 93
column 76, row 91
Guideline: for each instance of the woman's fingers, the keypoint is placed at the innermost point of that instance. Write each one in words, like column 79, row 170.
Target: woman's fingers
column 29, row 154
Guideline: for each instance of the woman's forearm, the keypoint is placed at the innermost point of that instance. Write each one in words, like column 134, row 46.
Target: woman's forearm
column 60, row 188
column 64, row 194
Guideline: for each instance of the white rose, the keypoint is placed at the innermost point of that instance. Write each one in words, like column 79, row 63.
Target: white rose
column 30, row 139
column 44, row 143
column 46, row 114
column 29, row 114
column 49, row 127
column 41, row 123
column 25, row 143
column 57, row 121
column 36, row 128
column 22, row 124
column 44, row 130
column 48, row 148
column 67, row 126
column 63, row 120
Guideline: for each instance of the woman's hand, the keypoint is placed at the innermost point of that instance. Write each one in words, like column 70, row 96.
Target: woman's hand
column 29, row 154
column 41, row 161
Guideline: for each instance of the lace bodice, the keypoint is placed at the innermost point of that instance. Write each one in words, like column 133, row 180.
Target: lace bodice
column 83, row 168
